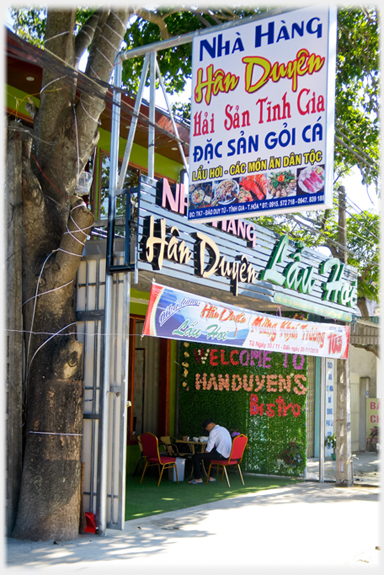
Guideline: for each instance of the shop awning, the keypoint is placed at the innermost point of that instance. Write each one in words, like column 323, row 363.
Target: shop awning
column 365, row 333
column 179, row 315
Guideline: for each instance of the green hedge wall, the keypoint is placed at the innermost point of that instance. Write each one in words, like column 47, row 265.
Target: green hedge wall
column 258, row 393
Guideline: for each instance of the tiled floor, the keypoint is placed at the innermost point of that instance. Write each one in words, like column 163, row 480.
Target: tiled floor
column 366, row 468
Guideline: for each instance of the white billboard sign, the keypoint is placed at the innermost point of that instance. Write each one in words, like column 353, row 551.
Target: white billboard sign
column 329, row 402
column 262, row 119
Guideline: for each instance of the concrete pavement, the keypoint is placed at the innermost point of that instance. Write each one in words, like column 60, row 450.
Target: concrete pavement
column 365, row 465
column 310, row 524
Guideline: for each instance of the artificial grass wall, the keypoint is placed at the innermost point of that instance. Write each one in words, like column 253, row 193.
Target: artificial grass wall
column 258, row 393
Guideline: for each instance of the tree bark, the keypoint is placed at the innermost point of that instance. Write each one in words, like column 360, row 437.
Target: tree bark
column 14, row 354
column 56, row 224
column 50, row 489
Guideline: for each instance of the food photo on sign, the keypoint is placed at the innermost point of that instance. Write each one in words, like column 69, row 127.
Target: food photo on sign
column 311, row 179
column 251, row 188
column 257, row 187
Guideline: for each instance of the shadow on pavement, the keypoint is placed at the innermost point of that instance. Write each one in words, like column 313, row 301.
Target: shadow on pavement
column 157, row 538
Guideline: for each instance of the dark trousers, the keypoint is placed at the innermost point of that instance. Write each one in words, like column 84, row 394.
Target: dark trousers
column 203, row 456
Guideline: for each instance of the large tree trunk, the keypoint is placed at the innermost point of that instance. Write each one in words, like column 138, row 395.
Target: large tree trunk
column 14, row 338
column 56, row 224
column 50, row 496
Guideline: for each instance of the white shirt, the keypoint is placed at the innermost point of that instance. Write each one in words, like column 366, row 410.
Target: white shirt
column 220, row 438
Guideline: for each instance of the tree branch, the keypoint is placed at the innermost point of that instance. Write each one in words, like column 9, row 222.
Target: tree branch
column 220, row 16
column 56, row 92
column 324, row 219
column 86, row 33
column 201, row 18
column 366, row 271
column 362, row 305
column 71, row 247
column 155, row 19
column 107, row 40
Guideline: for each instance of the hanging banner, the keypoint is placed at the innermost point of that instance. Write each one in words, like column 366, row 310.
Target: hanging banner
column 175, row 314
column 262, row 117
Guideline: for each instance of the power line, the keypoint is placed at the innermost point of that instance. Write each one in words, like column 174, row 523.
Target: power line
column 353, row 136
column 352, row 216
column 318, row 232
column 316, row 223
column 355, row 206
column 85, row 85
column 339, row 141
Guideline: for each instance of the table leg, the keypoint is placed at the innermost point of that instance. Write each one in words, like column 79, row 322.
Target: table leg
column 202, row 462
column 203, row 467
column 192, row 447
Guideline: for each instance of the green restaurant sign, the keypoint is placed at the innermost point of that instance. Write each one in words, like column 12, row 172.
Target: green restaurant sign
column 301, row 279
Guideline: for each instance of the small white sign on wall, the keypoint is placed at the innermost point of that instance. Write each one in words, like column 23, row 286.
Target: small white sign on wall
column 329, row 402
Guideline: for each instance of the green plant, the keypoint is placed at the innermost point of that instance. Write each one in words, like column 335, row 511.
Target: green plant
column 330, row 441
column 262, row 394
column 292, row 455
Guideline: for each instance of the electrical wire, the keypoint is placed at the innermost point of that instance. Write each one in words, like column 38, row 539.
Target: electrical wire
column 36, row 295
column 366, row 240
column 85, row 85
column 46, row 177
column 77, row 146
column 352, row 216
column 97, row 88
column 317, row 223
column 355, row 206
column 34, row 307
column 353, row 136
column 359, row 157
column 358, row 148
column 329, row 240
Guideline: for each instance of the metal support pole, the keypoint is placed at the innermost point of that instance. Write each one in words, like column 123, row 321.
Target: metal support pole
column 344, row 476
column 172, row 118
column 322, row 419
column 101, row 505
column 132, row 127
column 124, row 398
column 151, row 127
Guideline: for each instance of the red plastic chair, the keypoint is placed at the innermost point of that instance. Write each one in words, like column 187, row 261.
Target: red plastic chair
column 150, row 445
column 141, row 458
column 235, row 458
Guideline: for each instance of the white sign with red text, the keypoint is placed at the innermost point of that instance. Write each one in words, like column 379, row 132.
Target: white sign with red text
column 261, row 139
column 373, row 414
column 175, row 314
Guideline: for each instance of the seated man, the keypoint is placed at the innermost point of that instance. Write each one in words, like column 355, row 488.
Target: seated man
column 219, row 447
